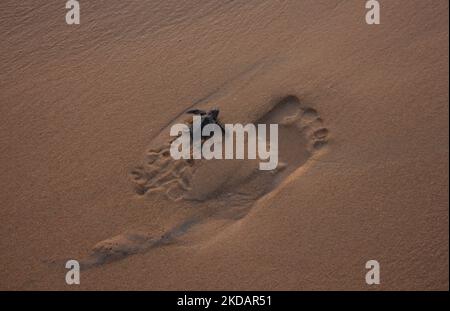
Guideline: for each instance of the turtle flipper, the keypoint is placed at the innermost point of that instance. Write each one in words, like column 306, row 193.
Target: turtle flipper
column 214, row 113
column 197, row 112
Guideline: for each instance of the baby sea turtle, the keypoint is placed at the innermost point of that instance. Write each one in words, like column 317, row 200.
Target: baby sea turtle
column 210, row 117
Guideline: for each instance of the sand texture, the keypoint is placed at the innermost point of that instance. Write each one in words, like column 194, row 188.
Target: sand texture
column 86, row 171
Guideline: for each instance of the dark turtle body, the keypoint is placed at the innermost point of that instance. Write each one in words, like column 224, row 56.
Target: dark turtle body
column 207, row 117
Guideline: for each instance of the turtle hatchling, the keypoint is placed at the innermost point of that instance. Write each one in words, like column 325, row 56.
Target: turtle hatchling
column 210, row 117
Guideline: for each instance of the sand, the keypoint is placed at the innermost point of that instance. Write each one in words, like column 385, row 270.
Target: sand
column 85, row 115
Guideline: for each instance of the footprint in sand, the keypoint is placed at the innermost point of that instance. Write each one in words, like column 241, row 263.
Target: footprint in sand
column 160, row 173
column 220, row 189
column 301, row 134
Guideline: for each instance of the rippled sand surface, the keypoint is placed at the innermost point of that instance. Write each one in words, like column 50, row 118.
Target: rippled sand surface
column 85, row 115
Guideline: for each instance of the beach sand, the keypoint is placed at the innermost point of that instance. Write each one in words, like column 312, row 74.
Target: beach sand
column 85, row 117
